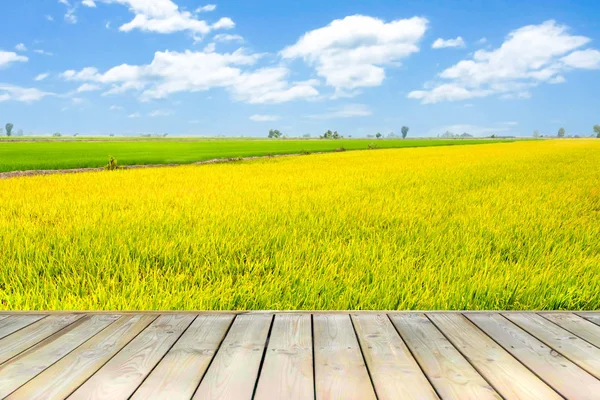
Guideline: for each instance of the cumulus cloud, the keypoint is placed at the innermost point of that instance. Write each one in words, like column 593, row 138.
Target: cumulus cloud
column 529, row 56
column 42, row 76
column 17, row 93
column 264, row 118
column 206, row 8
column 87, row 87
column 70, row 16
column 43, row 52
column 9, row 57
column 21, row 47
column 89, row 3
column 164, row 16
column 351, row 53
column 174, row 72
column 115, row 108
column 444, row 43
column 134, row 115
column 225, row 37
column 347, row 111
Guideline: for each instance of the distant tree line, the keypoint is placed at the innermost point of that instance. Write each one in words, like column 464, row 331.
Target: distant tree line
column 562, row 133
column 329, row 134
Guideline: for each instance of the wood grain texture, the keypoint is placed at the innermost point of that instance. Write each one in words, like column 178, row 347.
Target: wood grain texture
column 507, row 376
column 30, row 363
column 179, row 373
column 234, row 370
column 287, row 372
column 394, row 371
column 592, row 317
column 340, row 370
column 32, row 334
column 564, row 376
column 566, row 343
column 11, row 324
column 122, row 375
column 578, row 325
column 448, row 371
column 66, row 375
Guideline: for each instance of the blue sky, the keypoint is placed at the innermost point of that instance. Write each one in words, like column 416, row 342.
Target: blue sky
column 241, row 67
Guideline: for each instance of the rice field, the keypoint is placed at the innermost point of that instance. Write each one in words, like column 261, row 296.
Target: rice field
column 22, row 153
column 496, row 226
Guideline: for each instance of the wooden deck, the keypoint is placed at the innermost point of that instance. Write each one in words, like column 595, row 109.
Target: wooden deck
column 295, row 355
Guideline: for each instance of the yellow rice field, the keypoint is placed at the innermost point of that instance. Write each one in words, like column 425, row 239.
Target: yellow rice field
column 496, row 226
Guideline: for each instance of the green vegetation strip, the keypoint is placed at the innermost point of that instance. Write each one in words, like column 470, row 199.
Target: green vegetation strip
column 45, row 155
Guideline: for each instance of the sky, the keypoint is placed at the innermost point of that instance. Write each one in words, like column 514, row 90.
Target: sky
column 240, row 68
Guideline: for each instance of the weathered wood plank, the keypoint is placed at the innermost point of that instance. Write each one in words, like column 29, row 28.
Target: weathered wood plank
column 394, row 371
column 287, row 372
column 32, row 334
column 566, row 343
column 179, row 373
column 234, row 370
column 592, row 317
column 564, row 376
column 340, row 370
column 30, row 363
column 122, row 375
column 579, row 326
column 508, row 376
column 448, row 371
column 11, row 324
column 66, row 375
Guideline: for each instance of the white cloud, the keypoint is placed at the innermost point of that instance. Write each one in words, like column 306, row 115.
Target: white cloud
column 474, row 130
column 174, row 72
column 164, row 16
column 115, row 108
column 42, row 76
column 225, row 37
column 347, row 111
column 444, row 43
column 21, row 47
column 483, row 40
column 351, row 53
column 9, row 57
column 43, row 52
column 49, row 18
column 206, row 8
column 77, row 100
column 529, row 56
column 89, row 3
column 134, row 115
column 586, row 59
column 210, row 48
column 264, row 118
column 70, row 16
column 27, row 95
column 87, row 87
column 160, row 113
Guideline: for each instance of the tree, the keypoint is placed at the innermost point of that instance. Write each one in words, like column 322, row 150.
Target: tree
column 536, row 133
column 336, row 135
column 404, row 132
column 327, row 135
column 274, row 134
column 597, row 131
column 9, row 128
column 561, row 132
column 378, row 135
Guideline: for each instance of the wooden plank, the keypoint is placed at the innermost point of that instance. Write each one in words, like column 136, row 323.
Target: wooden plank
column 448, row 371
column 340, row 370
column 394, row 371
column 179, row 373
column 13, row 323
column 575, row 349
column 592, row 317
column 122, row 375
column 234, row 370
column 62, row 378
column 508, row 377
column 287, row 371
column 564, row 376
column 31, row 335
column 579, row 326
column 30, row 363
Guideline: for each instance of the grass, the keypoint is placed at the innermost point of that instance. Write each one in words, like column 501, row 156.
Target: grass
column 502, row 226
column 76, row 153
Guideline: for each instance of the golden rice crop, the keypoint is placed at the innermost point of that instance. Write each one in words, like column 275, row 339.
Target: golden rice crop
column 498, row 226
